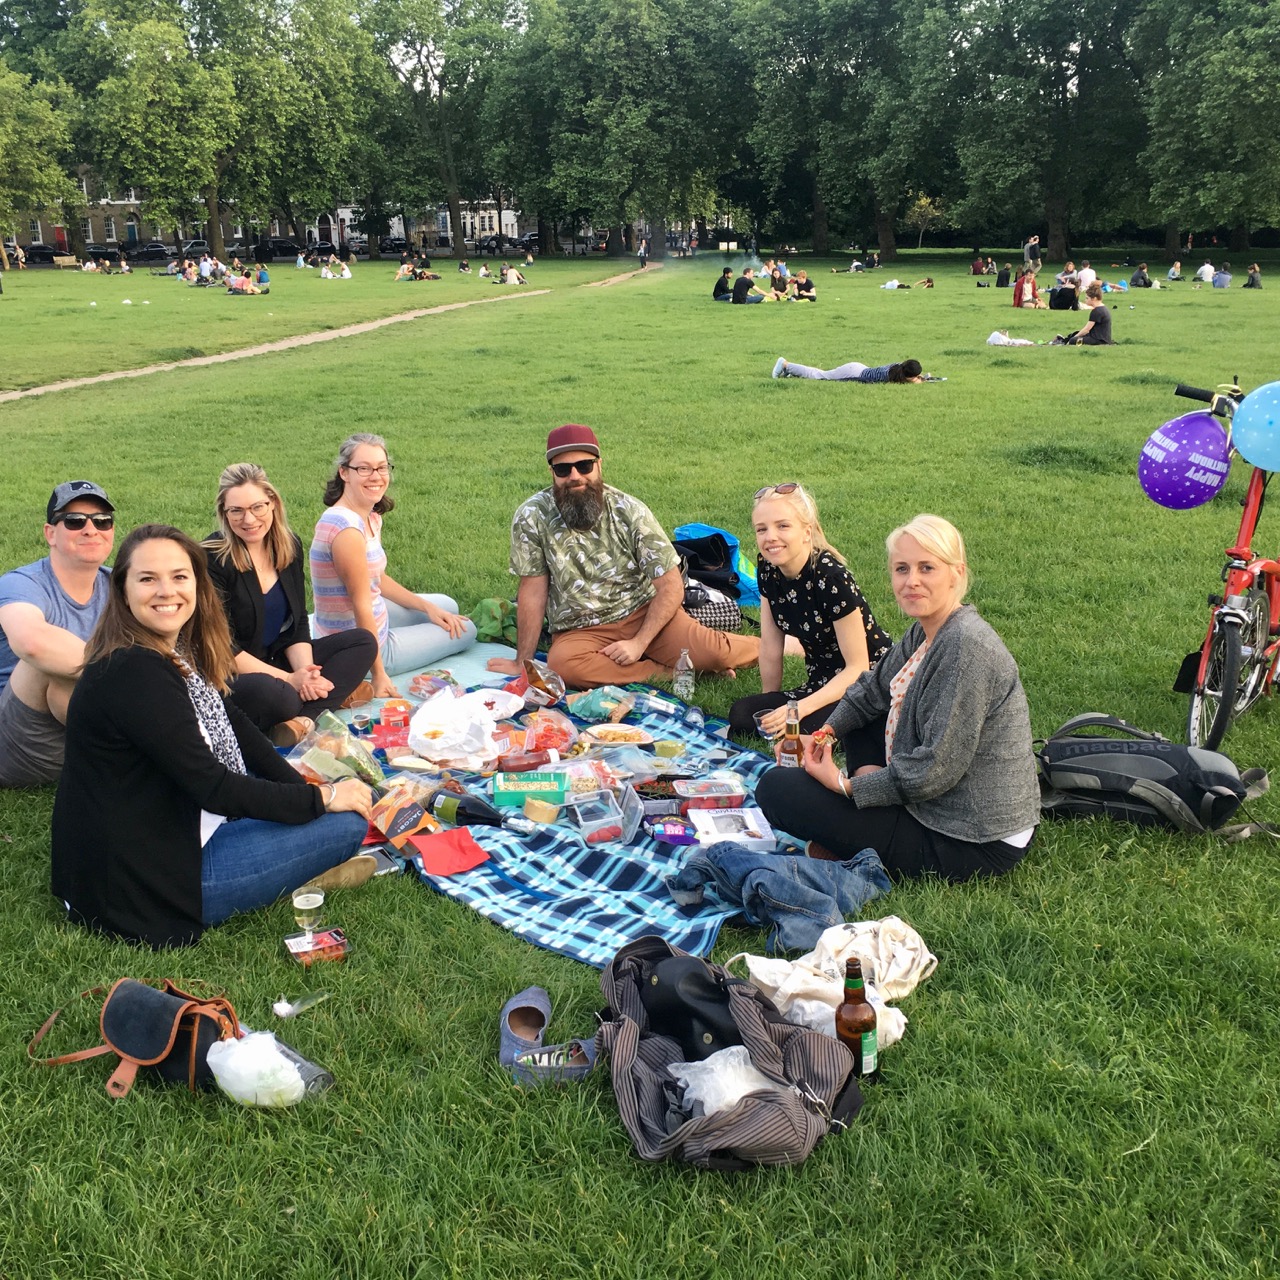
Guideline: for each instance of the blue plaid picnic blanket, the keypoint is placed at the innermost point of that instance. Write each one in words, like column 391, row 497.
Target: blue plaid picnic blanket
column 588, row 901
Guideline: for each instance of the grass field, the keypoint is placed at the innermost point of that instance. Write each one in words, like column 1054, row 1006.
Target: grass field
column 1087, row 1085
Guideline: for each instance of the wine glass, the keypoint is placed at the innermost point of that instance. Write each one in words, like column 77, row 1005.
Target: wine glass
column 308, row 906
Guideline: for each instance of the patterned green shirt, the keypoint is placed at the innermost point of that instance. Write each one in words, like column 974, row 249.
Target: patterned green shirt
column 596, row 576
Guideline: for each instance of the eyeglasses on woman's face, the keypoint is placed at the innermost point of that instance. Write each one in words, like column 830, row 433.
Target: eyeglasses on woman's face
column 364, row 470
column 258, row 511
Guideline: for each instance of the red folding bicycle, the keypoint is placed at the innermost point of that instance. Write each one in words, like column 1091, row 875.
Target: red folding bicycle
column 1236, row 663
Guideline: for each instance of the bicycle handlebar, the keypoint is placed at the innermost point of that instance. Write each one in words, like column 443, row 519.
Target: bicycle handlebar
column 1194, row 393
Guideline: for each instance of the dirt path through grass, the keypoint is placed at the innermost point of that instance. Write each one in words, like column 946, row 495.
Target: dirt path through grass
column 266, row 348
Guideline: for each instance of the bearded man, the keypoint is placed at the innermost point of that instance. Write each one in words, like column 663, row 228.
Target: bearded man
column 595, row 564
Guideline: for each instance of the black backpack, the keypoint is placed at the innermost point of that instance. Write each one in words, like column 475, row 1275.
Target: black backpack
column 1145, row 779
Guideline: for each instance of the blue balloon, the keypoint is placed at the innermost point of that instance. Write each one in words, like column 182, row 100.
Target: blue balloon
column 1255, row 430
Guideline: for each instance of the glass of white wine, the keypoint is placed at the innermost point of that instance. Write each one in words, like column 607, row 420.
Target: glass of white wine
column 308, row 906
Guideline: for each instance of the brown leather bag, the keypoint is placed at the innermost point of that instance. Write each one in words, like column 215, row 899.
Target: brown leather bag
column 167, row 1028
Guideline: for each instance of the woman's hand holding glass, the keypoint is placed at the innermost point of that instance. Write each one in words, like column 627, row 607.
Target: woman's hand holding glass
column 350, row 796
column 772, row 723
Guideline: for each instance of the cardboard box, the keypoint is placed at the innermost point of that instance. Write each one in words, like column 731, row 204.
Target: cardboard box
column 746, row 827
column 511, row 790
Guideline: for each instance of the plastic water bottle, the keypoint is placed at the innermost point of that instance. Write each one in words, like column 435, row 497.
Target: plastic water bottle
column 682, row 684
column 695, row 719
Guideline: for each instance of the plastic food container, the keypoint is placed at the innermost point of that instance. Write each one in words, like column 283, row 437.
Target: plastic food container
column 711, row 793
column 601, row 816
column 511, row 790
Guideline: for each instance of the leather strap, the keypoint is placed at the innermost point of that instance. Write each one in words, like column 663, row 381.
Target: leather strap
column 96, row 1052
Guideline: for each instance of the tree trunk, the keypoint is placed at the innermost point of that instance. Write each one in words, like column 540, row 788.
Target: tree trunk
column 885, row 239
column 658, row 238
column 4, row 257
column 1055, row 213
column 614, row 249
column 1172, row 247
column 216, row 246
column 821, row 225
column 1239, row 239
column 547, row 241
column 457, row 234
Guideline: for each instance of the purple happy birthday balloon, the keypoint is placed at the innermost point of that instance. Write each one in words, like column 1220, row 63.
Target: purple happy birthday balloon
column 1184, row 463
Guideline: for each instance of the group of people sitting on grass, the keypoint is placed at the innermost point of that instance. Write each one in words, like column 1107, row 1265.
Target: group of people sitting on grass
column 103, row 266
column 778, row 286
column 154, row 692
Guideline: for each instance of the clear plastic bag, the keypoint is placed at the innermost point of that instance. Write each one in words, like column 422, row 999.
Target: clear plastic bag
column 608, row 702
column 253, row 1070
column 721, row 1080
column 331, row 752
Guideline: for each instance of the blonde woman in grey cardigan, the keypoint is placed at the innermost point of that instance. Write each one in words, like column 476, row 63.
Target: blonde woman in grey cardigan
column 940, row 775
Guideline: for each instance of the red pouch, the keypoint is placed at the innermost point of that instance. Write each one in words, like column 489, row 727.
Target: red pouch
column 449, row 852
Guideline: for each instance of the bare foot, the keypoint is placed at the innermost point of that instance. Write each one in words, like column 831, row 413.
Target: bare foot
column 729, row 673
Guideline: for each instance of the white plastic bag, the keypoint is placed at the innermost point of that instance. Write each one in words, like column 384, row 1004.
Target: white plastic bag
column 459, row 731
column 807, row 991
column 721, row 1080
column 252, row 1070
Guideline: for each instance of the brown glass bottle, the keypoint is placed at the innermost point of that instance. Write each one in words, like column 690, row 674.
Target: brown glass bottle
column 856, row 1021
column 791, row 749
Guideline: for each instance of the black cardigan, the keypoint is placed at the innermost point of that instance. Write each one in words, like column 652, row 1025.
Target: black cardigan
column 242, row 600
column 126, row 821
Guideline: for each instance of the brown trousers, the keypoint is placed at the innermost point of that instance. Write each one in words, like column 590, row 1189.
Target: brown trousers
column 575, row 655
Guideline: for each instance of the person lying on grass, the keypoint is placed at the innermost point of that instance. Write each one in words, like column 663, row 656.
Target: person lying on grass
column 853, row 371
column 349, row 579
column 158, row 760
column 939, row 773
column 596, row 565
column 808, row 593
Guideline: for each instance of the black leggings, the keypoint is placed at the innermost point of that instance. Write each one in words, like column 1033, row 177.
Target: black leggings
column 800, row 805
column 344, row 658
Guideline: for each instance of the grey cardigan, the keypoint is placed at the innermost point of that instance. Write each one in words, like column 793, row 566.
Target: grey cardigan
column 962, row 757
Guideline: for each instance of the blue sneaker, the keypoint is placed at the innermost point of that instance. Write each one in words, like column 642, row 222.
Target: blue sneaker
column 524, row 1019
column 780, row 369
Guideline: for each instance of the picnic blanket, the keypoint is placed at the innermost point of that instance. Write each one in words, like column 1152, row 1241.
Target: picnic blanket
column 588, row 901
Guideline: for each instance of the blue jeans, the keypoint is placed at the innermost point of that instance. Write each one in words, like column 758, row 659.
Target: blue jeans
column 797, row 897
column 249, row 863
column 413, row 642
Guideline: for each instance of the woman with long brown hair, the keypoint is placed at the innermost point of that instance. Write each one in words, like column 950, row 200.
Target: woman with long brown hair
column 158, row 760
column 283, row 679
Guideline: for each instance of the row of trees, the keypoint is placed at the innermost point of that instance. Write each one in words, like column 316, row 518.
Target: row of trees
column 808, row 120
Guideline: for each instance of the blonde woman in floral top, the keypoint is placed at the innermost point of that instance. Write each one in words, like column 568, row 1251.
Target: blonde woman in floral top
column 807, row 593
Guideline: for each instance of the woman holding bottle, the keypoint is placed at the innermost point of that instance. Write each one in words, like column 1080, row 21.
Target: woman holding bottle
column 807, row 593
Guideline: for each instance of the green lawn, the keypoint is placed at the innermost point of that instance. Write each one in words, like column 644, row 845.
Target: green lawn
column 1087, row 1086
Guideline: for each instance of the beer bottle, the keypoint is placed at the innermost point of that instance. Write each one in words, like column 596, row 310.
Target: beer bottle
column 856, row 1021
column 791, row 749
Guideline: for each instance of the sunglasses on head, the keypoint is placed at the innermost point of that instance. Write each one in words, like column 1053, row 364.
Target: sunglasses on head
column 76, row 520
column 584, row 467
column 789, row 487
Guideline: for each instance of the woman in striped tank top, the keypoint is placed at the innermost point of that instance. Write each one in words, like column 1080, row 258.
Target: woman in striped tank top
column 349, row 578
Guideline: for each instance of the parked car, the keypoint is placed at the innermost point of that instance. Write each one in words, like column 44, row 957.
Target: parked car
column 93, row 249
column 392, row 244
column 357, row 245
column 494, row 244
column 283, row 247
column 194, row 248
column 323, row 247
column 152, row 251
column 530, row 242
column 41, row 252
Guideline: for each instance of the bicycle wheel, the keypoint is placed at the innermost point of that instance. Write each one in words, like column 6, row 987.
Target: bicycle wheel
column 1213, row 702
column 1255, row 636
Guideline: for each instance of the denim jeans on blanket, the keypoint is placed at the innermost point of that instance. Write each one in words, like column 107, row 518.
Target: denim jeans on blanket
column 798, row 897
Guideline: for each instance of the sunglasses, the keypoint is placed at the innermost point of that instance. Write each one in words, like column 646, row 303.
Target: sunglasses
column 584, row 467
column 789, row 487
column 76, row 520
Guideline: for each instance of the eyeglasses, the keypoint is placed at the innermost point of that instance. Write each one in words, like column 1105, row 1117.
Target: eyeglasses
column 364, row 470
column 584, row 467
column 789, row 487
column 76, row 520
column 258, row 511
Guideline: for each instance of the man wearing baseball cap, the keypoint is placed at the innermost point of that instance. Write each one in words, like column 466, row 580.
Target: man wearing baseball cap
column 47, row 611
column 595, row 564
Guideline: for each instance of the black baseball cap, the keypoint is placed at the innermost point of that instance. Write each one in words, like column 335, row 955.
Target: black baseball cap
column 69, row 490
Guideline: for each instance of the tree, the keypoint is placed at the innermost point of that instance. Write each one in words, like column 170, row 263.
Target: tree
column 923, row 212
column 33, row 138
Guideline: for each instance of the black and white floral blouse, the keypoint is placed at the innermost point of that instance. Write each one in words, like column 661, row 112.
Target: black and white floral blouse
column 808, row 607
